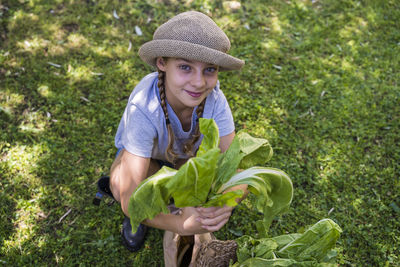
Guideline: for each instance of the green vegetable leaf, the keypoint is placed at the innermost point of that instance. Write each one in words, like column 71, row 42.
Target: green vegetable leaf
column 244, row 152
column 312, row 248
column 314, row 243
column 249, row 247
column 150, row 197
column 228, row 164
column 192, row 183
column 260, row 262
column 210, row 132
column 228, row 199
column 272, row 186
column 283, row 240
column 257, row 151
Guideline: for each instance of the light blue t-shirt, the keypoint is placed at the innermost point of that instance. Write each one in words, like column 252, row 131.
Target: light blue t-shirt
column 142, row 130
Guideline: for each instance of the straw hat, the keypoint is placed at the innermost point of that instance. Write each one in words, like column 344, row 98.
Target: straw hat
column 194, row 36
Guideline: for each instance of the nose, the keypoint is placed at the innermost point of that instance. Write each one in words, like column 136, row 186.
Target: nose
column 198, row 81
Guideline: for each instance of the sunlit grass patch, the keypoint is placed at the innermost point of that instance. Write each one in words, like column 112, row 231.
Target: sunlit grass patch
column 10, row 100
column 34, row 122
column 44, row 91
column 76, row 41
column 102, row 51
column 79, row 73
column 270, row 46
column 22, row 18
column 23, row 159
column 32, row 45
column 27, row 213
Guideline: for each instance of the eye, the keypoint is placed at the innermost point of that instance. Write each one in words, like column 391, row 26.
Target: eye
column 184, row 67
column 211, row 69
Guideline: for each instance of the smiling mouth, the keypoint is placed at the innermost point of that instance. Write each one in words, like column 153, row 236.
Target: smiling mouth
column 192, row 94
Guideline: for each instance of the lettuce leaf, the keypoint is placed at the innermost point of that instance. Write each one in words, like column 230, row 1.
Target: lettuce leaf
column 151, row 197
column 244, row 152
column 210, row 132
column 257, row 151
column 273, row 188
column 249, row 247
column 314, row 243
column 192, row 183
column 261, row 262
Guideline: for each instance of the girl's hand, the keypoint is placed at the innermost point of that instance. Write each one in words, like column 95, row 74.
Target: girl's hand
column 189, row 223
column 214, row 218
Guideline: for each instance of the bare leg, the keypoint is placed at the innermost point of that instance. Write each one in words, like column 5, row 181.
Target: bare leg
column 117, row 170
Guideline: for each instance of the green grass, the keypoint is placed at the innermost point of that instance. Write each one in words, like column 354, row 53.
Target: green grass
column 320, row 82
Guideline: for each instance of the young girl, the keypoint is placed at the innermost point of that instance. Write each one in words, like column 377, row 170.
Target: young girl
column 160, row 123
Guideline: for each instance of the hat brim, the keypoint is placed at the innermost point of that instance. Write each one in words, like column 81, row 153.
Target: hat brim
column 150, row 51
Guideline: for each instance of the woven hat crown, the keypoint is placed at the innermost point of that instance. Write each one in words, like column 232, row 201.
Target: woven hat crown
column 196, row 28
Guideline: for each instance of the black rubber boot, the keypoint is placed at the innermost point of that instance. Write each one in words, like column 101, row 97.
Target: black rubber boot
column 133, row 242
column 103, row 189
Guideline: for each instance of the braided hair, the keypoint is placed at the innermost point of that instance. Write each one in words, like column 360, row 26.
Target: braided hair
column 188, row 147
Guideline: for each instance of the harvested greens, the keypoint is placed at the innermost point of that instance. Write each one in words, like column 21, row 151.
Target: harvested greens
column 312, row 248
column 203, row 179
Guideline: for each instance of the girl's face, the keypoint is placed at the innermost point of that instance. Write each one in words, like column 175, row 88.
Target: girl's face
column 187, row 83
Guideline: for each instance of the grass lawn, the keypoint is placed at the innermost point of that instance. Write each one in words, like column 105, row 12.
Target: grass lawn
column 321, row 83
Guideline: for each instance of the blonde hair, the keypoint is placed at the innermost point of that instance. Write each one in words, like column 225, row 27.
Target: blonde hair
column 188, row 147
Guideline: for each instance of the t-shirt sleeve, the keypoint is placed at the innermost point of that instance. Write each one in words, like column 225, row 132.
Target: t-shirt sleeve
column 139, row 133
column 223, row 115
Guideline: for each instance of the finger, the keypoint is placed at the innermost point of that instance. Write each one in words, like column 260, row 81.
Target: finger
column 215, row 220
column 216, row 227
column 207, row 210
column 215, row 211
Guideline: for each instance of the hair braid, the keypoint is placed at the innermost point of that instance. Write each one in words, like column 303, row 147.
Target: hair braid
column 188, row 147
column 169, row 153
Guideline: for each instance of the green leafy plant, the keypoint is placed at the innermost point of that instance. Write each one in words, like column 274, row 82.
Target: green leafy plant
column 203, row 180
column 312, row 248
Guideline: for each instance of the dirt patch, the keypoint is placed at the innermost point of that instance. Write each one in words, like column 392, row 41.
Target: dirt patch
column 70, row 27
